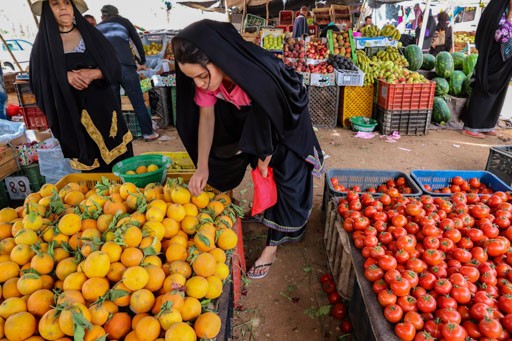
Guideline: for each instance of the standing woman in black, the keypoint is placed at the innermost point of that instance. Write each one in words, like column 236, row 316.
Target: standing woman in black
column 493, row 70
column 239, row 105
column 72, row 67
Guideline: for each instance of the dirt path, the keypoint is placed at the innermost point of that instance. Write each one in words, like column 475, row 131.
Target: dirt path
column 278, row 307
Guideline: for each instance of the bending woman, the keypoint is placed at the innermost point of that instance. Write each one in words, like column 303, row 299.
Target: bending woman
column 493, row 70
column 239, row 105
column 72, row 67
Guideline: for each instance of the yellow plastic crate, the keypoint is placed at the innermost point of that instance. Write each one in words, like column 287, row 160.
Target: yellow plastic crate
column 89, row 179
column 355, row 101
column 181, row 162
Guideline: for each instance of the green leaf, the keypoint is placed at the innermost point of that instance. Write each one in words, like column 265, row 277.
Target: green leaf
column 80, row 324
column 204, row 239
column 308, row 269
column 114, row 294
column 103, row 338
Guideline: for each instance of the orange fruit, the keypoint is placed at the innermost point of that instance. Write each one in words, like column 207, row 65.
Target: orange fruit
column 227, row 239
column 222, row 271
column 168, row 317
column 156, row 277
column 191, row 308
column 126, row 189
column 176, row 212
column 155, row 214
column 94, row 288
column 112, row 250
column 97, row 264
column 176, row 252
column 173, row 282
column 29, row 283
column 141, row 301
column 218, row 254
column 115, row 274
column 148, row 329
column 131, row 256
column 74, row 281
column 7, row 214
column 204, row 241
column 70, row 297
column 20, row 326
column 49, row 327
column 214, row 287
column 8, row 270
column 201, row 201
column 43, row 263
column 40, row 302
column 70, row 224
column 132, row 236
column 204, row 265
column 171, row 227
column 180, row 331
column 189, row 224
column 180, row 267
column 100, row 312
column 66, row 321
column 118, row 326
column 196, row 287
column 216, row 207
column 12, row 306
column 65, row 267
column 207, row 325
column 95, row 333
column 123, row 300
column 141, row 169
column 135, row 277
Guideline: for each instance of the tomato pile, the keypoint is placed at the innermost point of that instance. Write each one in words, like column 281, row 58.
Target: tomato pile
column 440, row 267
column 391, row 187
column 458, row 184
column 338, row 308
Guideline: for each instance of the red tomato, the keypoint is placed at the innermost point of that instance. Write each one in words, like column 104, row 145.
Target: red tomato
column 431, row 242
column 415, row 319
column 339, row 311
column 410, row 276
column 427, row 280
column 373, row 273
column 454, row 332
column 427, row 304
column 334, row 297
column 416, row 265
column 479, row 254
column 401, row 256
column 479, row 310
column 405, row 331
column 379, row 285
column 400, row 287
column 462, row 255
column 490, row 328
column 387, row 262
column 346, row 326
column 386, row 297
column 472, row 329
column 446, row 301
column 326, row 277
column 449, row 315
column 480, row 210
column 393, row 313
column 328, row 287
column 470, row 273
column 458, row 279
column 505, row 303
column 446, row 245
column 418, row 291
column 507, row 322
column 442, row 286
column 461, row 294
column 407, row 303
column 433, row 257
column 433, row 327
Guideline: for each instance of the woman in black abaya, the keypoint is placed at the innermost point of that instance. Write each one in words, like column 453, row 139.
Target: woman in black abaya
column 239, row 105
column 493, row 70
column 72, row 67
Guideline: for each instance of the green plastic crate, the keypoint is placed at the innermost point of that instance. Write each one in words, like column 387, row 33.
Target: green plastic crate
column 4, row 196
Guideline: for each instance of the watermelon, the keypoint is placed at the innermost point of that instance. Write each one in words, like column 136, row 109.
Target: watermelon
column 467, row 88
column 444, row 64
column 441, row 112
column 456, row 83
column 442, row 86
column 458, row 60
column 414, row 56
column 429, row 61
column 469, row 63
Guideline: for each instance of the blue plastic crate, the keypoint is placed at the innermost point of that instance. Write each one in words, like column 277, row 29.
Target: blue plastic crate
column 364, row 178
column 438, row 179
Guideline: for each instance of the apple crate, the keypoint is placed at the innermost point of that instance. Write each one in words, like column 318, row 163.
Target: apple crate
column 272, row 32
column 406, row 96
column 8, row 163
column 337, row 248
column 500, row 163
column 24, row 93
column 286, row 18
column 355, row 101
column 34, row 118
column 323, row 102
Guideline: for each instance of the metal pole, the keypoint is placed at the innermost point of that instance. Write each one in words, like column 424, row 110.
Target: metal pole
column 243, row 17
column 424, row 25
column 33, row 15
column 10, row 52
column 226, row 9
column 267, row 12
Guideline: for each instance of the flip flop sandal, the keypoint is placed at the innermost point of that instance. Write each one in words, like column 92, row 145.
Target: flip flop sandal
column 254, row 272
column 472, row 134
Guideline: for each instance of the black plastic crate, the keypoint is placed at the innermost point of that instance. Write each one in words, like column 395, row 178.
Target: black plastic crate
column 500, row 163
column 406, row 122
column 323, row 106
column 133, row 124
column 4, row 196
column 161, row 105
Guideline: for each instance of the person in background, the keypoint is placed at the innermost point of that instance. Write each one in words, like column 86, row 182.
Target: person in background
column 493, row 70
column 443, row 37
column 3, row 96
column 90, row 19
column 330, row 27
column 300, row 25
column 227, row 121
column 72, row 69
column 416, row 16
column 119, row 31
column 429, row 32
column 368, row 21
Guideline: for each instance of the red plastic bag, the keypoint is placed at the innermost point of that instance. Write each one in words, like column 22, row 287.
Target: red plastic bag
column 265, row 191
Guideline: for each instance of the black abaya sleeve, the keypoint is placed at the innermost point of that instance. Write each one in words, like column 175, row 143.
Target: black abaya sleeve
column 257, row 136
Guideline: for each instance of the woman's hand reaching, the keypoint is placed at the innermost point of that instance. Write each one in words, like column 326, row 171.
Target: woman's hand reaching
column 198, row 181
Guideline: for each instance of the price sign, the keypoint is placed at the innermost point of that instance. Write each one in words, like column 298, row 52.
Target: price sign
column 18, row 187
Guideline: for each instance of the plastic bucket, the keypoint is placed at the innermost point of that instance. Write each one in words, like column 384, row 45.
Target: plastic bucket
column 141, row 180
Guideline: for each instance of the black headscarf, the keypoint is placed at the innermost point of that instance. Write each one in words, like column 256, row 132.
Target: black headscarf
column 271, row 86
column 48, row 74
column 484, row 39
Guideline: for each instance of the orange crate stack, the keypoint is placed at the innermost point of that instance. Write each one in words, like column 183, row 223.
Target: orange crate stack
column 406, row 96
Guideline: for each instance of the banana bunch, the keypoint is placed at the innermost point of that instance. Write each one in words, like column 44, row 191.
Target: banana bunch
column 370, row 31
column 390, row 31
column 391, row 53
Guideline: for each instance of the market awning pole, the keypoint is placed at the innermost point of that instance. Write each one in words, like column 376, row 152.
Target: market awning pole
column 10, row 52
column 243, row 17
column 33, row 15
column 361, row 14
column 226, row 9
column 424, row 25
column 267, row 12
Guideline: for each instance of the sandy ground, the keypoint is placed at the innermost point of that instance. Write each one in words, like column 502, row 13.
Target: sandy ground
column 280, row 306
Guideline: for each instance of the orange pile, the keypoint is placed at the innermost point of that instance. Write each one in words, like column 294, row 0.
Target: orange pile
column 115, row 261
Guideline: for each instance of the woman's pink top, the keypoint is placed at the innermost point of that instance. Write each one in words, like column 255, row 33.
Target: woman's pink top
column 208, row 98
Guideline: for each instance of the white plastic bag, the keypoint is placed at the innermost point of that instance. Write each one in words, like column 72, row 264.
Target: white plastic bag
column 53, row 165
column 10, row 130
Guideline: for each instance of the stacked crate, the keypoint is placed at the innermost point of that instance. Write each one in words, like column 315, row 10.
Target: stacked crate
column 34, row 118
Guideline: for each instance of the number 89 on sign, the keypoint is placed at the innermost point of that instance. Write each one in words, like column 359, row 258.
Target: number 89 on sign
column 18, row 187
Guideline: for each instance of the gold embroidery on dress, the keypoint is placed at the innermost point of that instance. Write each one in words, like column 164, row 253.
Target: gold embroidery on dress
column 75, row 164
column 113, row 127
column 107, row 155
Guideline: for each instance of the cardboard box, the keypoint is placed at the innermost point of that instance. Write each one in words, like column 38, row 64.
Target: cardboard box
column 8, row 164
column 126, row 105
